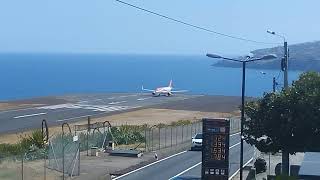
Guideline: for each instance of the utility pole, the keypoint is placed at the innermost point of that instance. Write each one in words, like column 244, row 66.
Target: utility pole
column 285, row 154
column 284, row 68
column 274, row 83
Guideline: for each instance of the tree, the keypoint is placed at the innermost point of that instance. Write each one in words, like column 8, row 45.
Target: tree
column 287, row 120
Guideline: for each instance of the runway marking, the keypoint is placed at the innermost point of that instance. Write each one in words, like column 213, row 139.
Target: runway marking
column 103, row 111
column 185, row 170
column 149, row 165
column 118, row 102
column 128, row 96
column 141, row 99
column 29, row 115
column 88, row 107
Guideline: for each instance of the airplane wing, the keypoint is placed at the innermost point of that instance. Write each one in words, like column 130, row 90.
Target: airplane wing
column 150, row 90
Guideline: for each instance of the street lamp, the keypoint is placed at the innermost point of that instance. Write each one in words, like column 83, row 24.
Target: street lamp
column 284, row 62
column 244, row 61
column 284, row 67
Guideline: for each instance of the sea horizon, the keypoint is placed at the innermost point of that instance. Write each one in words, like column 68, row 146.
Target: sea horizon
column 30, row 75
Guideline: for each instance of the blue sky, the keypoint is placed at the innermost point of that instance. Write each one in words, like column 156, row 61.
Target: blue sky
column 106, row 26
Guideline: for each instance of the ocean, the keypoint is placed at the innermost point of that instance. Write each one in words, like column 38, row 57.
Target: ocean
column 34, row 75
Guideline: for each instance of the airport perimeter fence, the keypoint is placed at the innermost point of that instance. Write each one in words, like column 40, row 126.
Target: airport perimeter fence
column 62, row 153
column 160, row 137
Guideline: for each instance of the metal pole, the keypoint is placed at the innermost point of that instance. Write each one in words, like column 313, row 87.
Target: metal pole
column 152, row 138
column 285, row 74
column 88, row 131
column 285, row 154
column 182, row 135
column 22, row 167
column 171, row 136
column 274, row 84
column 176, row 135
column 145, row 139
column 269, row 164
column 159, row 137
column 165, row 137
column 79, row 159
column 62, row 156
column 242, row 116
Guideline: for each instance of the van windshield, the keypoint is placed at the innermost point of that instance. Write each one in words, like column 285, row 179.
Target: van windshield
column 198, row 136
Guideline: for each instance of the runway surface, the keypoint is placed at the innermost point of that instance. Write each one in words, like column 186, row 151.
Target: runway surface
column 79, row 106
column 187, row 164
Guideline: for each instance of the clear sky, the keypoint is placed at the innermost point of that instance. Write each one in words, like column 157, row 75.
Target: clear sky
column 106, row 26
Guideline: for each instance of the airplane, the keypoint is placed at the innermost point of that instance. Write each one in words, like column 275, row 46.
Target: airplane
column 163, row 90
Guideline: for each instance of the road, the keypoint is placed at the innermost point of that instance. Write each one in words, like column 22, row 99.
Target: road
column 79, row 107
column 188, row 164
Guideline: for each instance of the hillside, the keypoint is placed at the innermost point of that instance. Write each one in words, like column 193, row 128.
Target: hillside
column 303, row 57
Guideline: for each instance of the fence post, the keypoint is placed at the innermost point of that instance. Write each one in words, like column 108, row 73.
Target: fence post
column 145, row 139
column 182, row 135
column 159, row 137
column 79, row 159
column 165, row 137
column 152, row 139
column 171, row 136
column 88, row 131
column 190, row 134
column 44, row 167
column 176, row 135
column 22, row 167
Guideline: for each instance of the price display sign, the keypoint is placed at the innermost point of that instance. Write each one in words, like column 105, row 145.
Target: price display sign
column 215, row 149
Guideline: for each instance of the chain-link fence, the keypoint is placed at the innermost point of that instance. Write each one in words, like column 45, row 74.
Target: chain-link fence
column 31, row 165
column 159, row 137
column 60, row 159
column 64, row 155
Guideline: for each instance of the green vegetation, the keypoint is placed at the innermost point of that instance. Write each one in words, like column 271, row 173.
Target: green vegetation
column 27, row 144
column 181, row 123
column 286, row 121
column 33, row 147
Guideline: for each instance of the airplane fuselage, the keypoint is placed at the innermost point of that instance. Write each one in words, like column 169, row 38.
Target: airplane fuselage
column 162, row 90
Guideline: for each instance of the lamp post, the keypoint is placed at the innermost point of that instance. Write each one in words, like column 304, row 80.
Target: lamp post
column 244, row 61
column 284, row 67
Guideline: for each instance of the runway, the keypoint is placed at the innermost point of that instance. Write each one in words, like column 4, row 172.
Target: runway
column 78, row 107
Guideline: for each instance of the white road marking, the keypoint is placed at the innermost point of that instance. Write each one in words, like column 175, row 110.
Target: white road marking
column 201, row 162
column 149, row 165
column 173, row 156
column 234, row 174
column 234, row 134
column 186, row 170
column 141, row 99
column 118, row 102
column 234, row 145
column 29, row 115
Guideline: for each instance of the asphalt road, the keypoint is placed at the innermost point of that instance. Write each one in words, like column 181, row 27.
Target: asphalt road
column 79, row 107
column 188, row 164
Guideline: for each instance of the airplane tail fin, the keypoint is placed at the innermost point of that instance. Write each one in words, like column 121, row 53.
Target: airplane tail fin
column 170, row 83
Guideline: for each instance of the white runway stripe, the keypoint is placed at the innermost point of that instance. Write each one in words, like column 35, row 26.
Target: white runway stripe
column 101, row 108
column 29, row 115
